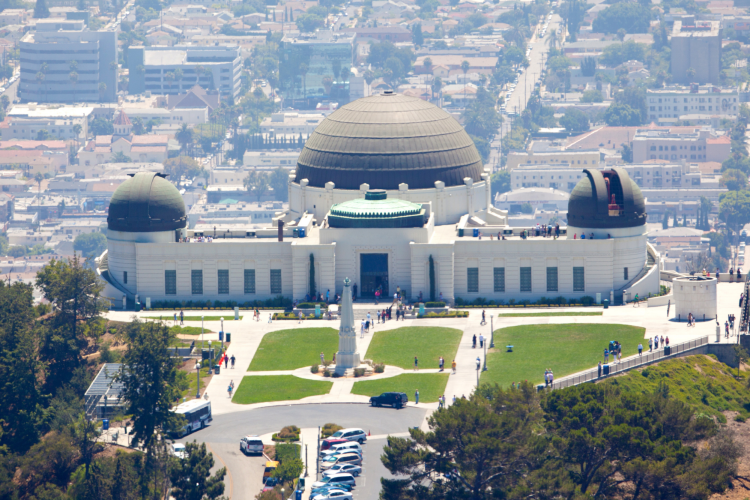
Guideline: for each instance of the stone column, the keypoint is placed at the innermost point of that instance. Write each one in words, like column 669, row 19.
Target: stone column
column 347, row 357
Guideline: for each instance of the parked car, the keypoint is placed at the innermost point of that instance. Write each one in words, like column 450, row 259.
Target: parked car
column 330, row 441
column 354, row 470
column 342, row 477
column 331, row 486
column 352, row 434
column 271, row 466
column 332, row 453
column 270, row 483
column 251, row 445
column 337, row 494
column 342, row 447
column 178, row 450
column 394, row 399
column 344, row 458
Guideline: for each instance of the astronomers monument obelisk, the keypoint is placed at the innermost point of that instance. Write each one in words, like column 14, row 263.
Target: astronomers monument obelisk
column 347, row 357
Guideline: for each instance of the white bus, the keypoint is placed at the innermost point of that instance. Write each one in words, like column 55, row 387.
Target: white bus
column 196, row 412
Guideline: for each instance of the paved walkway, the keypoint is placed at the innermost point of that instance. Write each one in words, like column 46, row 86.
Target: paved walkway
column 248, row 334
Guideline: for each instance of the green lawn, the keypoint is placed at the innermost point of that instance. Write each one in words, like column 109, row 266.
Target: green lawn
column 170, row 317
column 398, row 347
column 430, row 385
column 262, row 389
column 565, row 349
column 295, row 348
column 551, row 313
column 189, row 330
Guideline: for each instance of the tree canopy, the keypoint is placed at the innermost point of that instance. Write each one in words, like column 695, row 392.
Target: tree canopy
column 632, row 17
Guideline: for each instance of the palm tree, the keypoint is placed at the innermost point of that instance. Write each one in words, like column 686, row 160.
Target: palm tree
column 102, row 90
column 437, row 84
column 38, row 177
column 199, row 70
column 184, row 136
column 170, row 78
column 303, row 71
column 465, row 68
column 369, row 78
column 427, row 63
column 74, row 81
column 178, row 76
column 77, row 129
column 39, row 79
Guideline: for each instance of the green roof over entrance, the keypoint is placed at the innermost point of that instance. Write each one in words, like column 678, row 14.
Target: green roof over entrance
column 376, row 210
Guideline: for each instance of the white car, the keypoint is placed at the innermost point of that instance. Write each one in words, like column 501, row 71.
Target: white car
column 251, row 444
column 337, row 494
column 354, row 470
column 341, row 477
column 178, row 450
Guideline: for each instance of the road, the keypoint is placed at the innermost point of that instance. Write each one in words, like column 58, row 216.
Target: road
column 245, row 473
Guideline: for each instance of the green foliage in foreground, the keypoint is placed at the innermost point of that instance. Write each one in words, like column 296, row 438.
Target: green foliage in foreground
column 294, row 348
column 262, row 389
column 398, row 347
column 430, row 385
column 564, row 348
column 589, row 441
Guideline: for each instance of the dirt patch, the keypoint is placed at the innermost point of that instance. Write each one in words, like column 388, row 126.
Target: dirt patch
column 740, row 489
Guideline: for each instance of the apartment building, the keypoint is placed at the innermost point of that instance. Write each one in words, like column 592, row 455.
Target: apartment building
column 561, row 177
column 698, row 145
column 174, row 70
column 676, row 101
column 64, row 62
column 291, row 124
column 575, row 158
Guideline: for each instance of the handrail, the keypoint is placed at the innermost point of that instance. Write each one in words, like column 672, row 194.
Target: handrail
column 626, row 364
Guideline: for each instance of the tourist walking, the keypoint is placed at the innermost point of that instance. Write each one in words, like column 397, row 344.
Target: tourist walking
column 726, row 329
column 650, row 344
column 362, row 329
column 606, row 356
column 481, row 341
column 270, row 317
column 484, row 321
column 453, row 366
column 175, row 318
column 599, row 370
column 226, row 361
column 378, row 316
column 229, row 390
column 416, row 397
column 441, row 362
column 182, row 316
column 369, row 320
column 416, row 363
column 656, row 342
column 301, row 316
column 666, row 341
column 474, row 341
column 640, row 349
column 232, row 359
column 322, row 359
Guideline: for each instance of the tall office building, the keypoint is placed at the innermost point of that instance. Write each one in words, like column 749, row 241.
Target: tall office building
column 696, row 52
column 62, row 61
column 316, row 67
column 175, row 70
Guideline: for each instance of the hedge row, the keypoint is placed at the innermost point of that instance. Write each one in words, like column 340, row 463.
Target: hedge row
column 277, row 302
column 586, row 300
column 434, row 304
column 451, row 314
column 292, row 316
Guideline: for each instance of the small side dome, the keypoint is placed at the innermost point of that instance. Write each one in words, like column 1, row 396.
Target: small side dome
column 146, row 203
column 606, row 199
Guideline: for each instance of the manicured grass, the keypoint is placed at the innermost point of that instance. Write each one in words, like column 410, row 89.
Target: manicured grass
column 295, row 348
column 398, row 347
column 189, row 330
column 170, row 317
column 565, row 349
column 262, row 389
column 702, row 382
column 551, row 313
column 431, row 386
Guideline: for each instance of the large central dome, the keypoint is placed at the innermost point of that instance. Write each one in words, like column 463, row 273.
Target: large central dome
column 387, row 139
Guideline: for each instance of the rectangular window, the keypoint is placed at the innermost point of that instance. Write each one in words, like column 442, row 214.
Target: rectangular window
column 525, row 279
column 579, row 283
column 125, row 277
column 249, row 280
column 551, row 279
column 275, row 280
column 499, row 279
column 625, row 273
column 472, row 280
column 196, row 281
column 170, row 282
column 223, row 282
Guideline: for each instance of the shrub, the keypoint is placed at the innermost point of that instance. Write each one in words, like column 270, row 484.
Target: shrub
column 434, row 304
column 314, row 369
column 587, row 300
column 287, row 451
column 379, row 368
column 459, row 301
column 311, row 305
column 739, row 418
column 329, row 429
column 326, row 373
column 288, row 433
column 335, row 375
column 359, row 372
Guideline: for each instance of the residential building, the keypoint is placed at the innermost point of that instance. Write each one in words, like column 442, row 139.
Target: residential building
column 151, row 148
column 696, row 52
column 270, row 159
column 560, row 177
column 696, row 145
column 676, row 101
column 393, row 34
column 177, row 69
column 14, row 16
column 538, row 198
column 291, row 125
column 59, row 49
column 315, row 67
column 195, row 98
column 548, row 156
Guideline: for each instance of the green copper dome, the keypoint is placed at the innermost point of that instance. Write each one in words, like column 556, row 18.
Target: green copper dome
column 146, row 203
column 376, row 210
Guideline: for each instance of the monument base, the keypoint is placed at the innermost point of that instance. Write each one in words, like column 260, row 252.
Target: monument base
column 346, row 361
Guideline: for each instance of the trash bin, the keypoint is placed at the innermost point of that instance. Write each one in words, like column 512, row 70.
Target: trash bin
column 229, row 337
column 475, row 232
column 105, row 424
column 606, row 303
column 204, row 354
column 217, row 369
column 605, row 369
column 667, row 350
column 295, row 232
column 221, row 336
column 539, row 387
column 460, row 232
column 302, row 232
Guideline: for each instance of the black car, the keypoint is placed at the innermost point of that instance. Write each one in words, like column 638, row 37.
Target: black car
column 394, row 399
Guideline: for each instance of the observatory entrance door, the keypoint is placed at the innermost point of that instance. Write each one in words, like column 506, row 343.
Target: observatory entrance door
column 373, row 274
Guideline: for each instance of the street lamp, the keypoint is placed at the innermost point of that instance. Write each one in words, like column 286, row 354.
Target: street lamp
column 222, row 334
column 492, row 334
column 485, row 357
column 282, row 493
column 198, row 372
column 210, row 358
column 479, row 365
